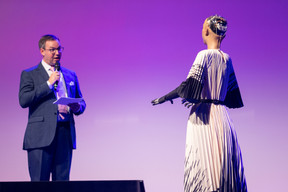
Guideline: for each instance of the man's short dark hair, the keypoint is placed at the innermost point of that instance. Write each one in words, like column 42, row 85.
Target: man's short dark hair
column 45, row 38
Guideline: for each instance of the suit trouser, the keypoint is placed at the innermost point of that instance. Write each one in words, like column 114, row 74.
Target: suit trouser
column 55, row 159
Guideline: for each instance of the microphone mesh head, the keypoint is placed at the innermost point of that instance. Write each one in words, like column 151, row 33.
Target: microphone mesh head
column 57, row 66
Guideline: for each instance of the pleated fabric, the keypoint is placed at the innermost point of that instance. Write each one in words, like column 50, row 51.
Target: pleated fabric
column 213, row 160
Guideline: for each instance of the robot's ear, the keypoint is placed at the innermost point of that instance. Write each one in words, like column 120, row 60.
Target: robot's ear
column 207, row 32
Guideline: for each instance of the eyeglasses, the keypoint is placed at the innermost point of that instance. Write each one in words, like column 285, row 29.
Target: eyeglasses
column 53, row 50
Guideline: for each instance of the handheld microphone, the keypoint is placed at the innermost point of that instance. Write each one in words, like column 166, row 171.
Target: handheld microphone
column 57, row 68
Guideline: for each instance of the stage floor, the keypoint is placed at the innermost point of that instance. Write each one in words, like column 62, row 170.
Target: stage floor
column 74, row 186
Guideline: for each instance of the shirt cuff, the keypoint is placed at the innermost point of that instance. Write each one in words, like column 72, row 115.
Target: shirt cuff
column 49, row 85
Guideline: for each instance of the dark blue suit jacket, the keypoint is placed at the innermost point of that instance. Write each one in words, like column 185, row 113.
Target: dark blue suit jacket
column 36, row 94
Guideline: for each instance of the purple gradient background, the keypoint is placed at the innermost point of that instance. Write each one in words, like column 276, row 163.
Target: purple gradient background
column 127, row 53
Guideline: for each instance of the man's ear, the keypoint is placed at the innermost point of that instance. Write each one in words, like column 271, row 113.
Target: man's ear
column 42, row 51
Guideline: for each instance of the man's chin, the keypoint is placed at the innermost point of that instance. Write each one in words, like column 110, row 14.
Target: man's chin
column 56, row 61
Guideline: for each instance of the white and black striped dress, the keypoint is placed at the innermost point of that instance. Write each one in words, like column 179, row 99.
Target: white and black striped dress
column 213, row 159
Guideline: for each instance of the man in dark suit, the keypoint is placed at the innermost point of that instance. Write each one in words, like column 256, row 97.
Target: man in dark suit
column 50, row 133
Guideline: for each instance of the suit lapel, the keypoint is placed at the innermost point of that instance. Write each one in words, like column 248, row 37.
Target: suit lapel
column 43, row 73
column 67, row 80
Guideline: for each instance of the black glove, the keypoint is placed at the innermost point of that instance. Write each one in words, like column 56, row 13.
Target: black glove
column 168, row 97
column 186, row 103
column 160, row 101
